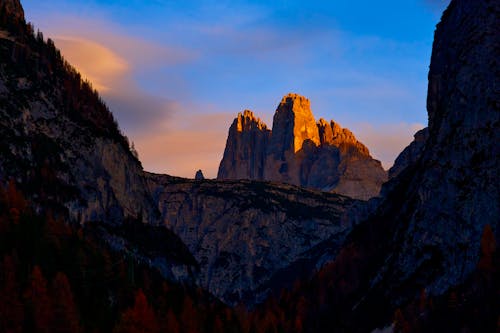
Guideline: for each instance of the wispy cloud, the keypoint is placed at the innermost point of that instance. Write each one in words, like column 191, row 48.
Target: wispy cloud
column 112, row 62
column 97, row 63
column 175, row 88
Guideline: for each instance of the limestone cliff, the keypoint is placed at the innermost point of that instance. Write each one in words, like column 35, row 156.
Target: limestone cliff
column 62, row 147
column 453, row 187
column 302, row 152
column 245, row 148
column 426, row 232
column 244, row 233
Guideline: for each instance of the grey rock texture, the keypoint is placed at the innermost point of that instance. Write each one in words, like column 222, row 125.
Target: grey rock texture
column 63, row 149
column 242, row 233
column 410, row 154
column 301, row 152
column 452, row 190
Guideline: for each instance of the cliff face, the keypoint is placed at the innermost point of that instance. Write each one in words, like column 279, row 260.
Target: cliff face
column 60, row 142
column 62, row 147
column 244, row 233
column 434, row 211
column 245, row 148
column 454, row 191
column 302, row 152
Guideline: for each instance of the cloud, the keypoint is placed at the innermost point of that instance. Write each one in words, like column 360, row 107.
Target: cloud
column 190, row 142
column 235, row 60
column 95, row 62
column 113, row 62
column 386, row 141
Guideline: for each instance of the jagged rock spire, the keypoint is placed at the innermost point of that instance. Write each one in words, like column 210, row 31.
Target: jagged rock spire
column 300, row 151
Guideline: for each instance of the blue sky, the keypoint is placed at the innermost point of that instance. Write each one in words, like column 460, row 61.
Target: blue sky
column 175, row 73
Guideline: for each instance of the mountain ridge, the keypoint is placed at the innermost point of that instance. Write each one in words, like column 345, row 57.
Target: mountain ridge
column 300, row 151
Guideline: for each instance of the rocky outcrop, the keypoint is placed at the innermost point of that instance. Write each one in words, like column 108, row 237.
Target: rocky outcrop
column 63, row 149
column 245, row 151
column 427, row 230
column 302, row 152
column 244, row 233
column 453, row 191
column 199, row 175
column 410, row 154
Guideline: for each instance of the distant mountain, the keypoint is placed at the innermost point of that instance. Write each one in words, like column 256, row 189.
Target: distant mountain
column 300, row 151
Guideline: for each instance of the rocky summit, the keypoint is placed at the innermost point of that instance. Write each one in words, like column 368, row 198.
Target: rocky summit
column 300, row 151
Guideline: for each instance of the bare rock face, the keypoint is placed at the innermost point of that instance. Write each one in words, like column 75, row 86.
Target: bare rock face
column 245, row 148
column 301, row 152
column 63, row 149
column 294, row 135
column 455, row 190
column 245, row 234
column 435, row 211
column 410, row 154
column 59, row 143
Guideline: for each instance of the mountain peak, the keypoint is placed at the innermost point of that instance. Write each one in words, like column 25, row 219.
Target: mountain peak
column 293, row 124
column 300, row 151
column 247, row 120
column 296, row 101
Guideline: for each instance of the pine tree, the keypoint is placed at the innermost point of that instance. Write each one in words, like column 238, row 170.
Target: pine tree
column 37, row 297
column 488, row 248
column 139, row 319
column 66, row 318
column 11, row 306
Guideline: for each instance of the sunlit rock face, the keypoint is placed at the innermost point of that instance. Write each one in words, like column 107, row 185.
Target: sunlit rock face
column 248, row 235
column 245, row 149
column 302, row 152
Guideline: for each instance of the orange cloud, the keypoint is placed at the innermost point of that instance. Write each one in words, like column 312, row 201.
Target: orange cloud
column 193, row 142
column 97, row 63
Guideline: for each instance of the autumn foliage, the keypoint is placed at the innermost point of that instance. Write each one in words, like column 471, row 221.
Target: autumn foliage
column 55, row 277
